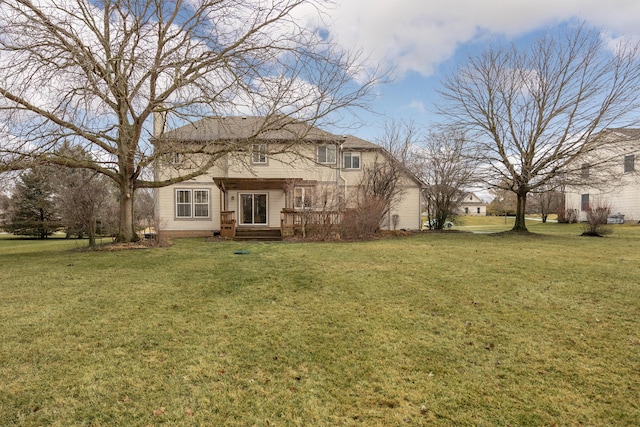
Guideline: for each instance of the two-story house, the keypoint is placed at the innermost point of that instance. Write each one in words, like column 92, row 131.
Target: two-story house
column 609, row 176
column 274, row 173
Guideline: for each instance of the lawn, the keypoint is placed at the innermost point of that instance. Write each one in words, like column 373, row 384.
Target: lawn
column 435, row 329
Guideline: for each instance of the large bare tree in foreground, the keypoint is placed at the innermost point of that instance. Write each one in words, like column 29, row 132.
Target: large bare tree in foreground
column 93, row 73
column 533, row 113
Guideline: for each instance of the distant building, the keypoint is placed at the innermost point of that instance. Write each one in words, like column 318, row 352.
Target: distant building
column 473, row 205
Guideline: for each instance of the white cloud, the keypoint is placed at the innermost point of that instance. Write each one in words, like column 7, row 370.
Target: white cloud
column 418, row 35
column 418, row 106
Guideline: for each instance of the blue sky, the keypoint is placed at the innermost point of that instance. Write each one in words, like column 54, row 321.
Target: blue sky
column 423, row 39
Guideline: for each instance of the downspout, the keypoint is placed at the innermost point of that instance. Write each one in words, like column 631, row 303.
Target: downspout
column 339, row 171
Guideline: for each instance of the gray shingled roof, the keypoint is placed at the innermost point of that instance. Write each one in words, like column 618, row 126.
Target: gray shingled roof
column 354, row 143
column 238, row 128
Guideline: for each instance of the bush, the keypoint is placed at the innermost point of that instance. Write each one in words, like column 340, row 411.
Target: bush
column 363, row 221
column 567, row 216
column 596, row 224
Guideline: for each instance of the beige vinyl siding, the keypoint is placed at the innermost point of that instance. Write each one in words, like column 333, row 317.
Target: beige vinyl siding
column 407, row 209
column 303, row 167
column 166, row 208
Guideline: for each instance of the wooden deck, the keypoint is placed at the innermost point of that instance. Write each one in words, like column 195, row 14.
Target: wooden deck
column 261, row 234
column 292, row 223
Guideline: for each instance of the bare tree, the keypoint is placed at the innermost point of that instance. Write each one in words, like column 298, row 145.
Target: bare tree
column 597, row 218
column 503, row 202
column 546, row 201
column 145, row 209
column 399, row 138
column 532, row 113
column 94, row 73
column 81, row 195
column 381, row 184
column 448, row 171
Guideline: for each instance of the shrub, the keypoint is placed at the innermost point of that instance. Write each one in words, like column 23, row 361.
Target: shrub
column 363, row 221
column 567, row 216
column 596, row 224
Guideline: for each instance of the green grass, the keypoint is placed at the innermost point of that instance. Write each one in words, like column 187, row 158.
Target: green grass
column 436, row 329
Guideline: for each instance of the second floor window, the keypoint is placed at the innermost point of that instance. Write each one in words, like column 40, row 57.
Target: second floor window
column 584, row 170
column 259, row 154
column 327, row 154
column 351, row 160
column 629, row 163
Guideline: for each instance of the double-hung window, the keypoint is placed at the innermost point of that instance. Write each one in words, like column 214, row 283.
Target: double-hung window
column 192, row 203
column 351, row 160
column 259, row 154
column 301, row 198
column 327, row 154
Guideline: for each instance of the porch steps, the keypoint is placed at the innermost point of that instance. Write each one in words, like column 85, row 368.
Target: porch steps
column 261, row 234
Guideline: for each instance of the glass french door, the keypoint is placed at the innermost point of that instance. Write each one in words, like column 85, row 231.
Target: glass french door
column 253, row 209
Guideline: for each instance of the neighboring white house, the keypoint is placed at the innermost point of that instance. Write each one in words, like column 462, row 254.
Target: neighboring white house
column 295, row 168
column 472, row 205
column 621, row 189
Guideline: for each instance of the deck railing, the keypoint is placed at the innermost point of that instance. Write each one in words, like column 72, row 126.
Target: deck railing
column 228, row 224
column 294, row 222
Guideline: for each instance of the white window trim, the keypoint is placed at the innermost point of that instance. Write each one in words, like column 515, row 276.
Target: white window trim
column 239, row 209
column 328, row 148
column 260, row 150
column 351, row 154
column 304, row 198
column 192, row 203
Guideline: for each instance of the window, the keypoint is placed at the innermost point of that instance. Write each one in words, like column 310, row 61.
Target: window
column 478, row 211
column 466, row 210
column 584, row 170
column 327, row 154
column 351, row 160
column 629, row 163
column 259, row 154
column 175, row 159
column 584, row 202
column 300, row 198
column 192, row 203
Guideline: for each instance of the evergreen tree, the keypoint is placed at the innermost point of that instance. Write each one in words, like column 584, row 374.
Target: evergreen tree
column 34, row 211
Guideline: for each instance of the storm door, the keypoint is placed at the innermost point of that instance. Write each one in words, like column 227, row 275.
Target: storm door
column 253, row 209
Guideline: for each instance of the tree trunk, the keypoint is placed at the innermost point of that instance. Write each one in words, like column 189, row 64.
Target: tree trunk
column 126, row 229
column 43, row 233
column 520, row 225
column 92, row 230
